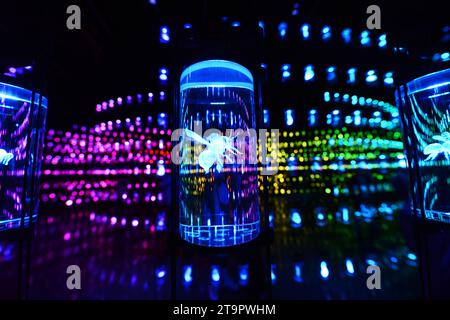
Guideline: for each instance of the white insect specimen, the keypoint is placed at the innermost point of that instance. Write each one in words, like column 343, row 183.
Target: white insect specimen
column 5, row 157
column 434, row 149
column 217, row 146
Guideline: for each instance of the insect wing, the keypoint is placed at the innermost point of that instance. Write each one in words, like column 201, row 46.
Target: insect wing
column 206, row 159
column 194, row 136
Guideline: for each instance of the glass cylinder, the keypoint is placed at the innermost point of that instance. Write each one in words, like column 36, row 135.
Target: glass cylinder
column 218, row 174
column 424, row 105
column 22, row 125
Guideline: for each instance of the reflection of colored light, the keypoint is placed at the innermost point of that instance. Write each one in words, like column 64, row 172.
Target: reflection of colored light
column 324, row 272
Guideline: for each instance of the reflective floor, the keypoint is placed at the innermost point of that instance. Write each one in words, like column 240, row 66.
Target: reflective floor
column 315, row 248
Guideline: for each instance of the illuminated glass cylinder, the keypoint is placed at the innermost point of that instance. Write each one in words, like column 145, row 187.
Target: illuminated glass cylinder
column 22, row 122
column 218, row 179
column 424, row 105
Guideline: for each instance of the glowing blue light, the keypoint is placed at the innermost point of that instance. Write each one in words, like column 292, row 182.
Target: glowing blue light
column 187, row 274
column 160, row 273
column 412, row 256
column 162, row 120
column 351, row 75
column 357, row 117
column 282, row 29
column 305, row 31
column 371, row 262
column 388, row 78
column 347, row 35
column 312, row 118
column 320, row 216
column 309, row 73
column 331, row 73
column 345, row 214
column 298, row 272
column 243, row 274
column 326, row 32
column 163, row 74
column 445, row 56
column 236, row 24
column 289, row 117
column 365, row 39
column 296, row 219
column 261, row 24
column 266, row 116
column 371, row 76
column 273, row 276
column 187, row 26
column 324, row 272
column 349, row 266
column 215, row 274
column 345, row 97
column 382, row 41
column 326, row 96
column 285, row 68
column 164, row 36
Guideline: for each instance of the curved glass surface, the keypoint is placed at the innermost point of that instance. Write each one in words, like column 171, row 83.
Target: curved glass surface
column 218, row 170
column 21, row 142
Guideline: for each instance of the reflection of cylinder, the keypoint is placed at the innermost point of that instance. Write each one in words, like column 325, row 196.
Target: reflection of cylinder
column 22, row 121
column 218, row 170
column 424, row 103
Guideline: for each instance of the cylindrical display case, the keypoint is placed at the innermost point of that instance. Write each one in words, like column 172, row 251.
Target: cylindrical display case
column 22, row 125
column 424, row 104
column 218, row 172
